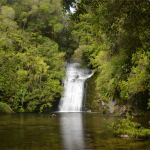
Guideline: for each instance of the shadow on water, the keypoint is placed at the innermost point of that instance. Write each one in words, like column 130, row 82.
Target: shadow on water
column 69, row 131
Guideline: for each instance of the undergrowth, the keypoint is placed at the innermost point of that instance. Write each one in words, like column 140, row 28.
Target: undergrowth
column 4, row 108
column 128, row 127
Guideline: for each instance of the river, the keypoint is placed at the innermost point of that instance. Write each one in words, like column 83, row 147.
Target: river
column 69, row 131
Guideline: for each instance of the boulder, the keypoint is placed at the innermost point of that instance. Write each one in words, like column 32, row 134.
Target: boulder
column 52, row 116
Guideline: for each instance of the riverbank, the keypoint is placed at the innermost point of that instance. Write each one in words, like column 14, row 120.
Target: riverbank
column 117, row 106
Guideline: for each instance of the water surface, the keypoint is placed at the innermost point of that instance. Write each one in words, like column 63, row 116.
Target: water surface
column 69, row 131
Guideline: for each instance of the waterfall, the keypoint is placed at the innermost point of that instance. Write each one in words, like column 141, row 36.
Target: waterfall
column 73, row 83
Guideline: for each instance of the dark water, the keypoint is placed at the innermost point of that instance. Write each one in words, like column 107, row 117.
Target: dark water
column 69, row 131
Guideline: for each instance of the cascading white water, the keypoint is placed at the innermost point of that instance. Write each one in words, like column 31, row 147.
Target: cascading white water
column 74, row 88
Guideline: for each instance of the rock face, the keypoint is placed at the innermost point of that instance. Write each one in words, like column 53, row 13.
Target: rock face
column 92, row 98
column 111, row 105
column 91, row 101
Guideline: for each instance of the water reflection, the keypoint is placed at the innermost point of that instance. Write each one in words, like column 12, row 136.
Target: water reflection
column 72, row 130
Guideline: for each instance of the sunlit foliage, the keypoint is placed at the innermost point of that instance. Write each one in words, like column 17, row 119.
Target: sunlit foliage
column 31, row 65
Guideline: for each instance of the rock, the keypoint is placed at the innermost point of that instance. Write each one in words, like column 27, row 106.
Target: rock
column 128, row 137
column 111, row 105
column 89, row 111
column 149, row 122
column 52, row 116
column 125, row 136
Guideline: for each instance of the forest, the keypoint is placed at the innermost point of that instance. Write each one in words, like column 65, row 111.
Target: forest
column 109, row 37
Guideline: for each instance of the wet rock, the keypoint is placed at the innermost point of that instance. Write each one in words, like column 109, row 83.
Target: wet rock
column 124, row 136
column 52, row 116
column 73, row 80
column 89, row 111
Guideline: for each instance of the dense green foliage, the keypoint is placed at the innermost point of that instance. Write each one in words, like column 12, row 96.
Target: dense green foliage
column 110, row 37
column 4, row 108
column 31, row 65
column 128, row 127
column 113, row 39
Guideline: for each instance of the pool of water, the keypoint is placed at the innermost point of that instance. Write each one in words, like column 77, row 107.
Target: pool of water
column 69, row 131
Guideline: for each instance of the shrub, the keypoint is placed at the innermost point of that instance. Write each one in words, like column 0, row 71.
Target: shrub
column 128, row 127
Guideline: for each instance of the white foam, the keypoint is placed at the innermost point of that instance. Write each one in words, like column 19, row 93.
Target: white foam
column 74, row 88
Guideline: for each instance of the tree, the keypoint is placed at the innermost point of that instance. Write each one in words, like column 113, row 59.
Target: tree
column 31, row 65
column 119, row 48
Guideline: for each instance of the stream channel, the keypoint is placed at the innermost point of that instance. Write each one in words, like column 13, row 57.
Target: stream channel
column 68, row 131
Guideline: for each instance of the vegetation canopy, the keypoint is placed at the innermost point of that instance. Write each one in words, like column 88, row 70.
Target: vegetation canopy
column 110, row 37
column 30, row 62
